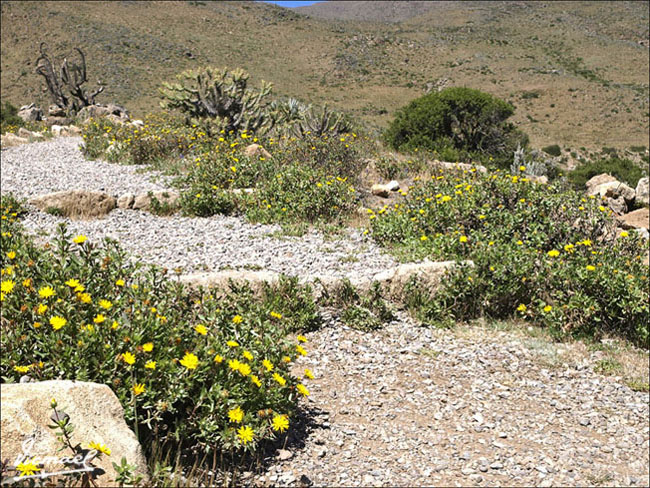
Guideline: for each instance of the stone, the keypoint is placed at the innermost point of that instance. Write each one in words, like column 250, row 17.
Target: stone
column 50, row 121
column 540, row 180
column 613, row 189
column 76, row 203
column 392, row 185
column 56, row 111
column 71, row 131
column 137, row 123
column 617, row 205
column 638, row 219
column 255, row 150
column 115, row 113
column 457, row 167
column 143, row 200
column 126, row 201
column 220, row 280
column 30, row 135
column 380, row 190
column 56, row 130
column 94, row 410
column 10, row 140
column 641, row 191
column 599, row 180
column 30, row 113
column 284, row 455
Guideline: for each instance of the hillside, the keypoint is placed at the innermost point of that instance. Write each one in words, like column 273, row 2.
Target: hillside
column 577, row 72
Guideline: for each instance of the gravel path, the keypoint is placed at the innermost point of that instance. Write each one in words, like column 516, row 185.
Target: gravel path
column 32, row 169
column 413, row 406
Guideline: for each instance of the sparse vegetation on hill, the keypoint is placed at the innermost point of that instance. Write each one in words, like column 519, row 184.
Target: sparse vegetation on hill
column 622, row 169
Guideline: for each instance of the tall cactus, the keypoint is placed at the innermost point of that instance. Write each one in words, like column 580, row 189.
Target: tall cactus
column 71, row 76
column 221, row 95
column 321, row 121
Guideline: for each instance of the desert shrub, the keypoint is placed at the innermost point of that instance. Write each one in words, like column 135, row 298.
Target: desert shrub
column 538, row 250
column 9, row 120
column 459, row 122
column 188, row 367
column 552, row 150
column 622, row 169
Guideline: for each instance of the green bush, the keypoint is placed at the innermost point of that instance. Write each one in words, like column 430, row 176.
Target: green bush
column 624, row 170
column 538, row 250
column 9, row 120
column 188, row 367
column 459, row 122
column 552, row 150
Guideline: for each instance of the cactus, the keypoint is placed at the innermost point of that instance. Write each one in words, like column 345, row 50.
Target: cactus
column 321, row 121
column 71, row 76
column 220, row 97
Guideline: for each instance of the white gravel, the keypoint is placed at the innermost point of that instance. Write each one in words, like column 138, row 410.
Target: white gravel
column 56, row 165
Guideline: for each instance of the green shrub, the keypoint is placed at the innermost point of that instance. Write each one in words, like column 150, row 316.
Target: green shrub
column 188, row 367
column 553, row 150
column 508, row 226
column 459, row 122
column 9, row 120
column 624, row 170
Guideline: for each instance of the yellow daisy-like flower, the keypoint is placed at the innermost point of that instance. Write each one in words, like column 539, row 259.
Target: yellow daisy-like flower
column 119, row 282
column 72, row 283
column 301, row 338
column 256, row 381
column 591, row 268
column 286, row 359
column 128, row 358
column 302, row 389
column 279, row 379
column 521, row 308
column 105, row 304
column 138, row 389
column 237, row 319
column 150, row 365
column 57, row 322
column 79, row 288
column 301, row 350
column 190, row 361
column 27, row 468
column 147, row 347
column 11, row 254
column 200, row 329
column 280, row 423
column 42, row 308
column 244, row 369
column 99, row 319
column 624, row 233
column 236, row 415
column 423, row 238
column 115, row 325
column 46, row 292
column 218, row 359
column 85, row 298
column 80, row 239
column 463, row 239
column 268, row 365
column 553, row 253
column 247, row 355
column 245, row 434
column 276, row 315
column 234, row 364
column 547, row 308
column 232, row 343
column 99, row 448
column 27, row 282
column 21, row 369
column 309, row 374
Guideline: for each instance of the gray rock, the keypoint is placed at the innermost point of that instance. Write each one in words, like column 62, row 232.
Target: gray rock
column 642, row 192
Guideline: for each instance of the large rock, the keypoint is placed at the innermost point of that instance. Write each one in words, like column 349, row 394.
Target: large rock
column 116, row 112
column 50, row 121
column 30, row 113
column 599, row 180
column 635, row 220
column 220, row 280
column 9, row 140
column 642, row 196
column 617, row 205
column 30, row 135
column 94, row 411
column 457, row 167
column 380, row 190
column 613, row 189
column 76, row 203
column 126, row 201
column 56, row 111
column 165, row 198
column 255, row 150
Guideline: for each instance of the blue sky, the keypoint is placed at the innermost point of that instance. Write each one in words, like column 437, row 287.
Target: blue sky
column 290, row 4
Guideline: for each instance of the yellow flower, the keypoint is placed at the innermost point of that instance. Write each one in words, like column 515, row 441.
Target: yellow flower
column 11, row 254
column 280, row 423
column 309, row 374
column 114, row 325
column 234, row 364
column 201, row 329
column 37, row 325
column 302, row 390
column 548, row 308
column 520, row 243
column 553, row 253
column 586, row 242
column 268, row 365
column 99, row 448
column 27, row 283
column 463, row 239
column 245, row 434
column 236, row 415
column 85, row 298
column 301, row 350
column 72, row 283
column 256, row 380
column 591, row 268
column 521, row 308
column 522, row 168
column 138, row 389
column 99, row 318
column 218, row 359
column 247, row 355
column 42, row 308
column 190, row 361
column 57, row 322
column 568, row 247
column 80, row 239
column 423, row 238
column 119, row 282
column 286, row 359
column 27, row 468
column 276, row 315
column 128, row 358
column 150, row 365
column 147, row 347
column 46, row 292
column 232, row 343
column 301, row 338
column 624, row 233
column 244, row 369
column 105, row 304
column 279, row 379
column 237, row 319
column 21, row 369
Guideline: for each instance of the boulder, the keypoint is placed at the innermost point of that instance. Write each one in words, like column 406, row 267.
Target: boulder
column 30, row 135
column 617, row 205
column 166, row 198
column 540, row 180
column 94, row 411
column 126, row 201
column 56, row 111
column 637, row 219
column 220, row 280
column 392, row 185
column 642, row 196
column 380, row 190
column 30, row 113
column 56, row 130
column 76, row 203
column 119, row 113
column 599, row 180
column 255, row 150
column 137, row 123
column 50, row 121
column 613, row 189
column 9, row 139
column 457, row 167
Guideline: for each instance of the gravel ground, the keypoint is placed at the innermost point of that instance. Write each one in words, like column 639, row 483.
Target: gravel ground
column 56, row 165
column 413, row 406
